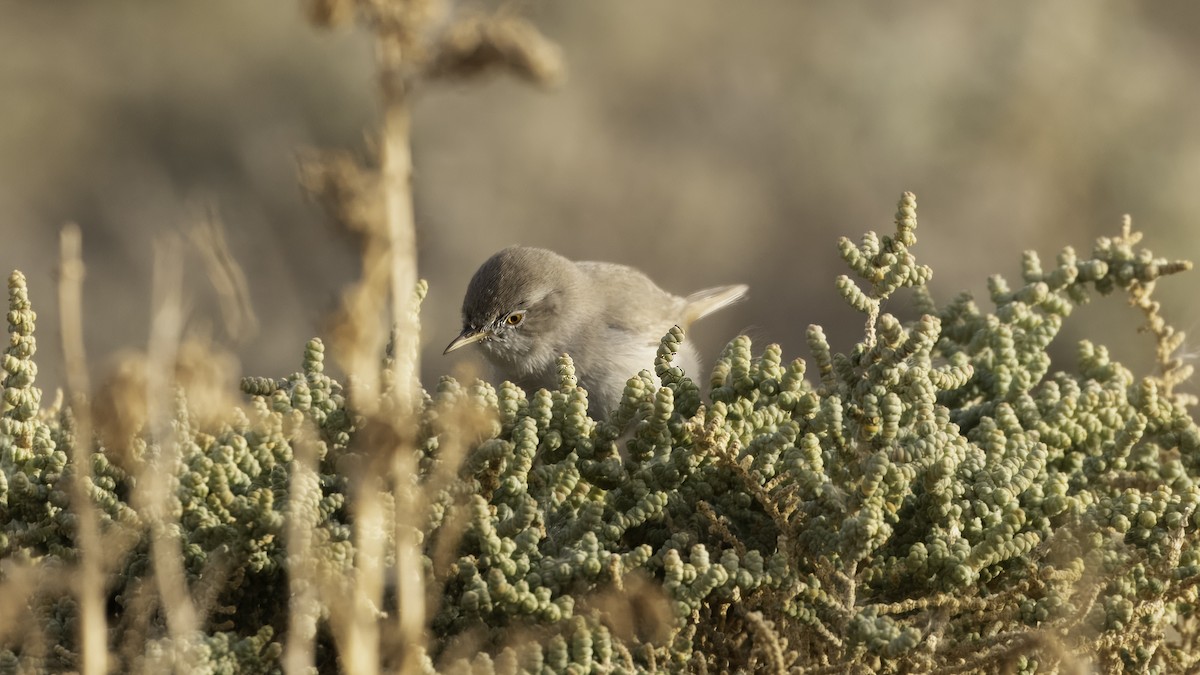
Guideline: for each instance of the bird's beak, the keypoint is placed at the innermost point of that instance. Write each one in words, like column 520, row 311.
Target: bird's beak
column 468, row 336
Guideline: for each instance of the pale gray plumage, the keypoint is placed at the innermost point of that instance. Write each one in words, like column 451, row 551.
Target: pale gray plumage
column 526, row 306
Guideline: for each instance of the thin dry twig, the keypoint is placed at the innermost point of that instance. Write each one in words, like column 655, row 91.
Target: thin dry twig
column 475, row 44
column 303, row 583
column 768, row 642
column 89, row 583
column 227, row 277
column 158, row 500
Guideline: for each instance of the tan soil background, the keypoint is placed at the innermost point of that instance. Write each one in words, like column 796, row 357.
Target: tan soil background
column 706, row 142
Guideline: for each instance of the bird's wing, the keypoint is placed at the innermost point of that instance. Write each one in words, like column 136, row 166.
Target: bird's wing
column 655, row 310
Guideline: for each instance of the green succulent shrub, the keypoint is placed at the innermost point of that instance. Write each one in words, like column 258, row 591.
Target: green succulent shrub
column 937, row 499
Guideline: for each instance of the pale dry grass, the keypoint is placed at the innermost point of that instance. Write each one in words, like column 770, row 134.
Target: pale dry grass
column 90, row 581
column 141, row 395
column 372, row 632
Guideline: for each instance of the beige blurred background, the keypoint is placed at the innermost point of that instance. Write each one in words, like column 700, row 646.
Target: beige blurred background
column 706, row 142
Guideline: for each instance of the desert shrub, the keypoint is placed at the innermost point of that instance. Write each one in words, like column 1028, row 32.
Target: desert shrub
column 939, row 498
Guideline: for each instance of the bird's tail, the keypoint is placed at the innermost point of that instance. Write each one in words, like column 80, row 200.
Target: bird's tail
column 703, row 303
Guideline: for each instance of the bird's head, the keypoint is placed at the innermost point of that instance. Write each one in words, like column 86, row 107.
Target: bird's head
column 517, row 306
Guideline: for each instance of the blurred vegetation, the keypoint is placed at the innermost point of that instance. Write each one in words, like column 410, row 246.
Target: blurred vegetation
column 952, row 489
column 936, row 499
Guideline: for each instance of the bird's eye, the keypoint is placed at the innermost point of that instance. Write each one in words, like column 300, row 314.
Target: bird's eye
column 514, row 319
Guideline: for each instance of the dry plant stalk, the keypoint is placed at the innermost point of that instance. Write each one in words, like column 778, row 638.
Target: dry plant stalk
column 413, row 42
column 304, row 606
column 159, row 474
column 475, row 44
column 133, row 412
column 90, row 582
column 227, row 277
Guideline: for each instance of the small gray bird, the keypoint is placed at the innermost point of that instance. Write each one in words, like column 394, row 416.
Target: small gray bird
column 526, row 306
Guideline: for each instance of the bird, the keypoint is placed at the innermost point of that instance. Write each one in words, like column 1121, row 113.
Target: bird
column 526, row 306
